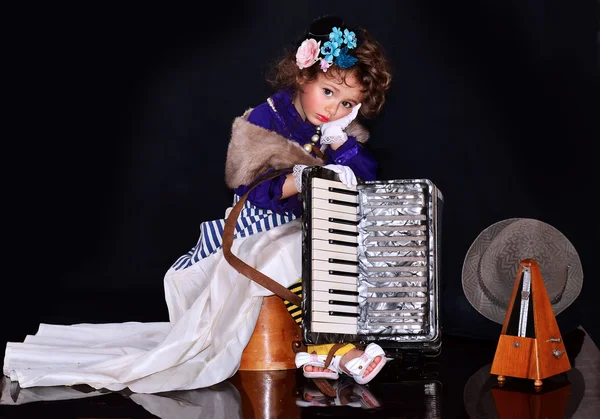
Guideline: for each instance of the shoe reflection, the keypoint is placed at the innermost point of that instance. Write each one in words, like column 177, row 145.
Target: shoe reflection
column 348, row 393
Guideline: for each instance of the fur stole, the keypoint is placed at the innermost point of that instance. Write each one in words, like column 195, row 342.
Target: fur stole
column 253, row 150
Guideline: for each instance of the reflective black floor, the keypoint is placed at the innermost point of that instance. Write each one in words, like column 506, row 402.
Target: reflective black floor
column 456, row 384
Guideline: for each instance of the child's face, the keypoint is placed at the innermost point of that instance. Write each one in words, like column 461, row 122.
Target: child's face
column 327, row 98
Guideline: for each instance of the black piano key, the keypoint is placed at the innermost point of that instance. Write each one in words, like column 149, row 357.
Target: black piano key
column 342, row 273
column 343, row 191
column 342, row 243
column 344, row 203
column 343, row 232
column 343, row 303
column 342, row 292
column 341, row 221
column 343, row 261
column 341, row 313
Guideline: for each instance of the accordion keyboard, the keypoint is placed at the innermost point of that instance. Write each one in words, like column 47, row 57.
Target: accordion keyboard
column 334, row 257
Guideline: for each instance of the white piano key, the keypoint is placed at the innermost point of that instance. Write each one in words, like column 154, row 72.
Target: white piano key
column 326, row 286
column 322, row 265
column 324, row 276
column 326, row 235
column 325, row 255
column 325, row 245
column 318, row 203
column 322, row 316
column 319, row 327
column 321, row 214
column 326, row 296
column 320, row 224
column 326, row 307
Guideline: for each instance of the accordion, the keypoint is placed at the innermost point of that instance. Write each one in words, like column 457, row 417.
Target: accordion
column 370, row 263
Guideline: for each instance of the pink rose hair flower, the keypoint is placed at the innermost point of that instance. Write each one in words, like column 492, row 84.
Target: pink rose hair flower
column 307, row 53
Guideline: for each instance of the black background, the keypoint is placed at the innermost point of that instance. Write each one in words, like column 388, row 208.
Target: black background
column 118, row 122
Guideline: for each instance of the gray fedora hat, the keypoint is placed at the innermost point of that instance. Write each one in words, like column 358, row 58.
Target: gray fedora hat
column 491, row 265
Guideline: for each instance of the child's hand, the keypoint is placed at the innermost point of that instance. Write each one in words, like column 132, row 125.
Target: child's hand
column 333, row 132
column 346, row 175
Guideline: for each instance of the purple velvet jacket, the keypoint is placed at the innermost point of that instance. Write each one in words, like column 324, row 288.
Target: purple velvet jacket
column 288, row 123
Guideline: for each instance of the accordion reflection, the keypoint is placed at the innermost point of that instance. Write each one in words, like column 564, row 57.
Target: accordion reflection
column 370, row 262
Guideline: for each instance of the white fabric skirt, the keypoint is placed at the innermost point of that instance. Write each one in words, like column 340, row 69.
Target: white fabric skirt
column 212, row 311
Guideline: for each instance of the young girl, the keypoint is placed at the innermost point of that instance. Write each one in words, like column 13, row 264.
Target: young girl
column 334, row 73
column 322, row 83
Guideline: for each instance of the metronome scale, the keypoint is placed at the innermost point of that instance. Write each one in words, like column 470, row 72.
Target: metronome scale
column 530, row 344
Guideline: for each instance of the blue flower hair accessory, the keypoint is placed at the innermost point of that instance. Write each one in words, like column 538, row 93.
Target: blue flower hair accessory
column 330, row 48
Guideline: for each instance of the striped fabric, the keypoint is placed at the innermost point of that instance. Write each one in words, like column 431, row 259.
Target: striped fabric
column 294, row 310
column 251, row 220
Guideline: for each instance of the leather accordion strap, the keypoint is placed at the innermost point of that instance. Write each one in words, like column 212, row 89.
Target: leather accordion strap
column 332, row 352
column 241, row 266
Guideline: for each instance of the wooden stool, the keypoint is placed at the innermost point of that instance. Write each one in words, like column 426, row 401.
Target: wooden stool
column 274, row 339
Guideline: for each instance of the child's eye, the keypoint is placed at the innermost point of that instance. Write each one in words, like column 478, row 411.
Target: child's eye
column 346, row 104
column 327, row 92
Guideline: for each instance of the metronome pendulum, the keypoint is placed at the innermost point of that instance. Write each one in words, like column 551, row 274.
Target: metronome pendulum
column 314, row 139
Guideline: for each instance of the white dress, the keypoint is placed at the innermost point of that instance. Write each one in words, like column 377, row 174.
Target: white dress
column 212, row 311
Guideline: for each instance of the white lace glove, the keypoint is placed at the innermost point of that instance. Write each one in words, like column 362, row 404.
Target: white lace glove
column 333, row 132
column 297, row 174
column 346, row 175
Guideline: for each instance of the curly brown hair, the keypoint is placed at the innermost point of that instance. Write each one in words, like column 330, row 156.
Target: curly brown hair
column 372, row 70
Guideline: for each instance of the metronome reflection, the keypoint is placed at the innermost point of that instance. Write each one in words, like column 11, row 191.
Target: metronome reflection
column 559, row 397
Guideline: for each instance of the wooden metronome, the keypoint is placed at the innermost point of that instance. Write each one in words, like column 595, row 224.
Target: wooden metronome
column 530, row 344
